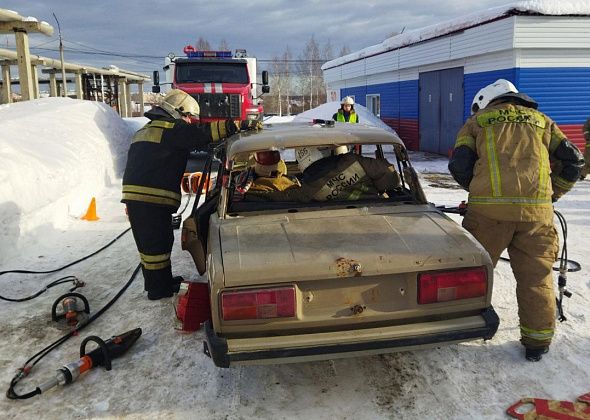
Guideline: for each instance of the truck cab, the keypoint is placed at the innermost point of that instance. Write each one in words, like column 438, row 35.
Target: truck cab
column 222, row 82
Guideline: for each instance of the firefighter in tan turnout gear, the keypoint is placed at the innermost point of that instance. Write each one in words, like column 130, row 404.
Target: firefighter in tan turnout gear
column 331, row 173
column 586, row 168
column 503, row 156
column 156, row 162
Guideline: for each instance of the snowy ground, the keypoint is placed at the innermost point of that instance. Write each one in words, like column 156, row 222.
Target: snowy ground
column 56, row 153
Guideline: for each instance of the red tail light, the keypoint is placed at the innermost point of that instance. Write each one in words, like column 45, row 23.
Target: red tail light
column 258, row 304
column 443, row 286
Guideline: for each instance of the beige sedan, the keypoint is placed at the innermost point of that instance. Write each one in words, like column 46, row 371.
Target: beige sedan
column 298, row 275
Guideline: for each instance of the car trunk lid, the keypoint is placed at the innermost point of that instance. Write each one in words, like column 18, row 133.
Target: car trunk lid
column 341, row 243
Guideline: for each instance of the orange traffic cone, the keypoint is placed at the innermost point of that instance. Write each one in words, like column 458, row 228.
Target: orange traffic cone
column 91, row 212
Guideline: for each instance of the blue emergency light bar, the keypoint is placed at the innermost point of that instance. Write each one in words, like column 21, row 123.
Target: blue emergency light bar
column 209, row 54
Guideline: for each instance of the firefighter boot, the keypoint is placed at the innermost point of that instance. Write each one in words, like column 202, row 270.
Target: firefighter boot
column 158, row 283
column 165, row 289
column 535, row 354
column 160, row 293
column 176, row 280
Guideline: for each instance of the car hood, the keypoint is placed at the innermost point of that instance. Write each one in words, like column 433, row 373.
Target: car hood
column 342, row 243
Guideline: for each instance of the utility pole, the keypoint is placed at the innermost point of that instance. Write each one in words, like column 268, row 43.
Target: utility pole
column 310, row 85
column 61, row 56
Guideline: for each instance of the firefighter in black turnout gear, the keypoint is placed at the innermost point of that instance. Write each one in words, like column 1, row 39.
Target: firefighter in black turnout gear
column 156, row 162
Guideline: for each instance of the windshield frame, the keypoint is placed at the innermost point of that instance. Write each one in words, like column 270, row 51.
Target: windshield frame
column 212, row 71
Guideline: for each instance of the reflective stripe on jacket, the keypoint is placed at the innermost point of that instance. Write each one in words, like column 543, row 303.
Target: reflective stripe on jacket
column 503, row 157
column 158, row 154
column 352, row 117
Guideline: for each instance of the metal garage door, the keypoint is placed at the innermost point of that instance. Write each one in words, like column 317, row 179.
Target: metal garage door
column 441, row 109
column 429, row 111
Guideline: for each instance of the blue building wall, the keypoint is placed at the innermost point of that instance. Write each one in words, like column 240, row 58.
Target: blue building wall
column 399, row 106
column 398, row 99
column 563, row 93
column 475, row 81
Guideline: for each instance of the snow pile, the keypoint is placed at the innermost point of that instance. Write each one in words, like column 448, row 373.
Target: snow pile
column 276, row 119
column 326, row 111
column 55, row 155
column 543, row 7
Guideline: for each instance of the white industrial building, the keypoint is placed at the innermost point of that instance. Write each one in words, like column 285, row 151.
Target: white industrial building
column 422, row 82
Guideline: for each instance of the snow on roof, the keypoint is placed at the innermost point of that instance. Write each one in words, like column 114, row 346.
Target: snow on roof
column 325, row 112
column 527, row 7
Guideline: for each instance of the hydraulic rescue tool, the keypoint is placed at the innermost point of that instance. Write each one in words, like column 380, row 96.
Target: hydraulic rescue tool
column 70, row 311
column 538, row 408
column 101, row 356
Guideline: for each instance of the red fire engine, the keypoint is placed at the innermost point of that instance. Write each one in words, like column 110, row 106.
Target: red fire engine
column 222, row 82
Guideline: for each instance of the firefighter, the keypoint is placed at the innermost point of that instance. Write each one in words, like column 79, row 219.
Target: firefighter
column 156, row 162
column 270, row 172
column 331, row 173
column 586, row 168
column 503, row 156
column 346, row 112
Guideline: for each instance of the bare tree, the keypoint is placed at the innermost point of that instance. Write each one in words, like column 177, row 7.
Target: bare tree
column 309, row 68
column 202, row 44
column 287, row 76
column 223, row 45
column 344, row 51
column 326, row 55
column 281, row 82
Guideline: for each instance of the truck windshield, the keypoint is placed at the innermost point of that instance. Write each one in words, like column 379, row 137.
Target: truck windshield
column 212, row 72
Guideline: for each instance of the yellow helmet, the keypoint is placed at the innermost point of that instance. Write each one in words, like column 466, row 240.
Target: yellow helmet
column 178, row 103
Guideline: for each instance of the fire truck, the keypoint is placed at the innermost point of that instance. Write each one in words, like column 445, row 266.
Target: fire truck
column 222, row 82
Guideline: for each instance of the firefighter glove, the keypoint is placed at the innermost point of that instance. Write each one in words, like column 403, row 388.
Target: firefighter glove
column 251, row 125
column 231, row 127
column 557, row 193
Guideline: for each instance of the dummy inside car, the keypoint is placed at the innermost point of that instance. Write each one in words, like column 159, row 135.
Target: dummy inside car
column 318, row 242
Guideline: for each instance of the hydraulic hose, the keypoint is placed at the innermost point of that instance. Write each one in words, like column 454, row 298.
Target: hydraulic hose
column 70, row 264
column 33, row 360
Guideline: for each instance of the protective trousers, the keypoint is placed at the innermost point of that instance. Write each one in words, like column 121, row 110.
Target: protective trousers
column 533, row 248
column 152, row 230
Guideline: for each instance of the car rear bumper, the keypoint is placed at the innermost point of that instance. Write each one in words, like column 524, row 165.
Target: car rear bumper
column 330, row 345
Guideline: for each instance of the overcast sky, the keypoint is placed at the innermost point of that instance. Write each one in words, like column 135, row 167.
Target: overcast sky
column 263, row 27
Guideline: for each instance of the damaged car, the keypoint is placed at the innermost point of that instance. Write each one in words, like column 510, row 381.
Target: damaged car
column 318, row 242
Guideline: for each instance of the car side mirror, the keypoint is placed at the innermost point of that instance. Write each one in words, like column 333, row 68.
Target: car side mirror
column 265, row 77
column 156, row 80
column 265, row 88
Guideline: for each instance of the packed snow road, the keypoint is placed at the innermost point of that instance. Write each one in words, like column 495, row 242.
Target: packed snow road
column 166, row 374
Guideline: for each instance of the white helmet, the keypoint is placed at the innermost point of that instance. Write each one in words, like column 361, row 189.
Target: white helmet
column 307, row 155
column 347, row 101
column 340, row 150
column 491, row 92
column 178, row 103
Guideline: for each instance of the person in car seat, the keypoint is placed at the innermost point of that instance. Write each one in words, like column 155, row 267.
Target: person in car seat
column 504, row 156
column 271, row 173
column 268, row 172
column 331, row 173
